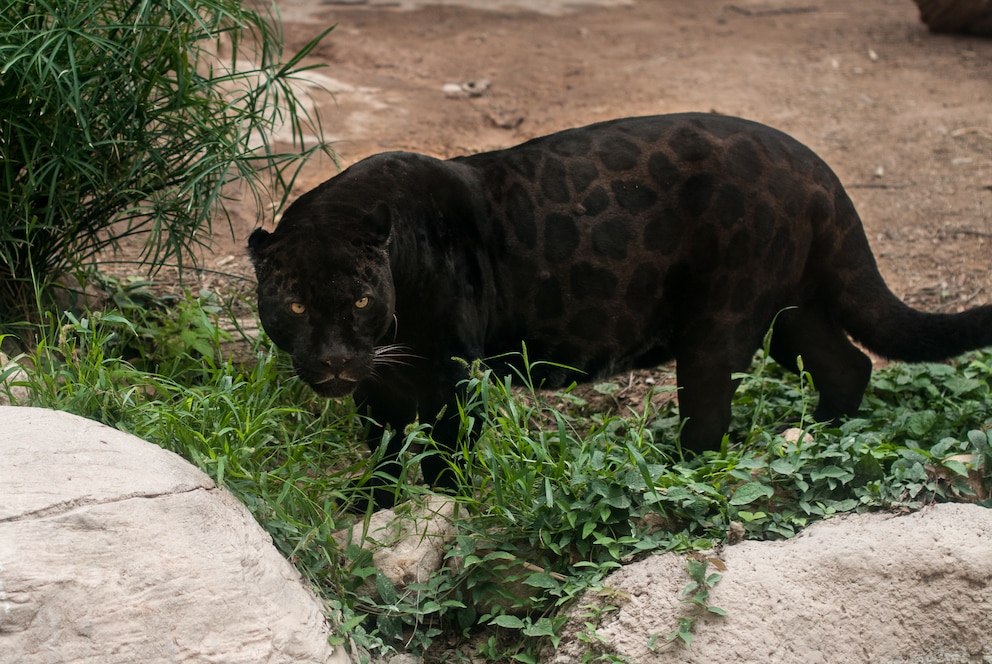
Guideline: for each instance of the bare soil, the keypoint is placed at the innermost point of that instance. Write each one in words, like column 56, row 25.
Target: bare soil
column 902, row 115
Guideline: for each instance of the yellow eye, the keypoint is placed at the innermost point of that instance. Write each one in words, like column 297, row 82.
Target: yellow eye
column 362, row 302
column 296, row 307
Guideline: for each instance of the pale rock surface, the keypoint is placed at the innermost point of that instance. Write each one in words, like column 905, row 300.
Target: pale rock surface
column 113, row 550
column 872, row 588
column 408, row 543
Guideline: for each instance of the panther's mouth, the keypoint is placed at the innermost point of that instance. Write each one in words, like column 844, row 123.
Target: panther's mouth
column 333, row 386
column 337, row 377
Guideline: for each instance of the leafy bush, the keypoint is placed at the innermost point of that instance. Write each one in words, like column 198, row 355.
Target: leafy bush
column 121, row 119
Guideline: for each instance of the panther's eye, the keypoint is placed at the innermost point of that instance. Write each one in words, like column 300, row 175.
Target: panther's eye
column 362, row 302
column 297, row 308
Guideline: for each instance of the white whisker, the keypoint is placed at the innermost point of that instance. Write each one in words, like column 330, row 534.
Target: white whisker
column 393, row 354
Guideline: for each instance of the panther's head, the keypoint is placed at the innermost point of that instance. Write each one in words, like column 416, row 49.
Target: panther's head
column 325, row 290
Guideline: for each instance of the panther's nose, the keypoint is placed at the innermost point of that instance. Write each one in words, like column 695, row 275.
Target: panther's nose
column 339, row 367
column 335, row 363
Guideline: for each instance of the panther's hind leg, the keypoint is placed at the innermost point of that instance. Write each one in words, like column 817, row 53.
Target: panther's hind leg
column 839, row 369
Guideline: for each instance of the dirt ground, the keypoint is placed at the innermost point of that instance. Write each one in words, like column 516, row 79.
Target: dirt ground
column 902, row 115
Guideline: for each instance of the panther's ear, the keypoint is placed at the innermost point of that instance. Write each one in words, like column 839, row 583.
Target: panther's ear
column 378, row 222
column 256, row 241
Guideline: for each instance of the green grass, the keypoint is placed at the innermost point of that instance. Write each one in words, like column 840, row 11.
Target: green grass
column 551, row 499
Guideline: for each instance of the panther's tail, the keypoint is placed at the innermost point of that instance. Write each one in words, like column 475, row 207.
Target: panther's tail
column 895, row 330
column 879, row 320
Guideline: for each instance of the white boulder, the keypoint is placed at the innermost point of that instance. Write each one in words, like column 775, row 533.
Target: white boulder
column 113, row 550
column 873, row 588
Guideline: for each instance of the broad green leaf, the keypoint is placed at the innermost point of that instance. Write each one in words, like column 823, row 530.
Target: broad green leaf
column 508, row 622
column 750, row 492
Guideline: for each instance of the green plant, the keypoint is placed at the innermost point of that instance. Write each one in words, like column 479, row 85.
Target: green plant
column 580, row 484
column 696, row 596
column 592, row 614
column 552, row 503
column 167, row 330
column 122, row 119
column 551, row 500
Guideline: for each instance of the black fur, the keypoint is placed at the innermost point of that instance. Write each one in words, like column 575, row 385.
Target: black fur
column 619, row 245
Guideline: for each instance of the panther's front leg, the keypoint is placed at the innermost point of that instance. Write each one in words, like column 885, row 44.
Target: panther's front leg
column 387, row 421
column 433, row 396
column 442, row 408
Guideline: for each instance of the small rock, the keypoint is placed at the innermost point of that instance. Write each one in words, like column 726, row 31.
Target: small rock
column 11, row 393
column 407, row 542
column 965, row 16
column 405, row 658
column 796, row 435
column 467, row 89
